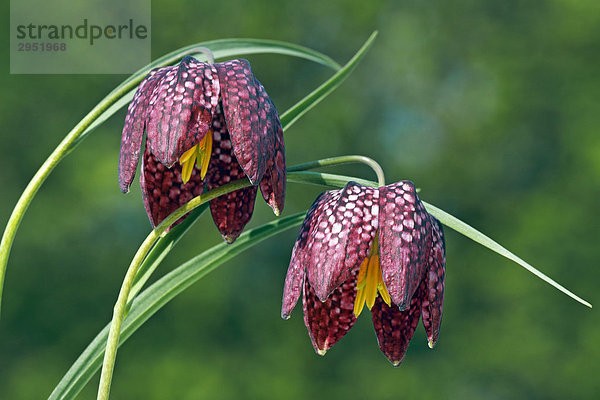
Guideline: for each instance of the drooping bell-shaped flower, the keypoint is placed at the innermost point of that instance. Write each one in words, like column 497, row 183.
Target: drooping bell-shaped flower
column 206, row 125
column 368, row 246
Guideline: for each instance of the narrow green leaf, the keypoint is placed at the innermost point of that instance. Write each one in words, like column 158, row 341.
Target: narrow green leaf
column 157, row 295
column 478, row 237
column 224, row 48
column 118, row 98
column 314, row 98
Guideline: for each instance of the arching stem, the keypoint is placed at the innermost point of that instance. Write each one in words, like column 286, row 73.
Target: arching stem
column 351, row 159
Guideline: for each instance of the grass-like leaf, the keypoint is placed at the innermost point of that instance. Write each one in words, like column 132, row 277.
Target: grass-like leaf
column 160, row 293
column 327, row 87
column 118, row 98
column 224, row 48
column 476, row 236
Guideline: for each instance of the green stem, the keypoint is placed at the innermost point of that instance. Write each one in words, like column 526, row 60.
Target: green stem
column 210, row 57
column 351, row 159
column 120, row 306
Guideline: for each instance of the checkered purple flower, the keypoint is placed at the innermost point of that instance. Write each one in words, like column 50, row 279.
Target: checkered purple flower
column 375, row 246
column 206, row 125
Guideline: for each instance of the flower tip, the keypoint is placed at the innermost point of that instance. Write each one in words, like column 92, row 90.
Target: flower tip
column 402, row 306
column 396, row 363
column 124, row 187
column 431, row 343
column 229, row 239
column 321, row 352
column 273, row 204
column 322, row 293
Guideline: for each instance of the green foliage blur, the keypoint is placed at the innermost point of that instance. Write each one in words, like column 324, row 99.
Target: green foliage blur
column 490, row 107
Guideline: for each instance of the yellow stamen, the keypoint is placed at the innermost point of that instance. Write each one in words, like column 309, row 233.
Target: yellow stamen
column 204, row 152
column 362, row 274
column 187, row 161
column 359, row 302
column 371, row 286
column 200, row 153
column 369, row 282
column 383, row 292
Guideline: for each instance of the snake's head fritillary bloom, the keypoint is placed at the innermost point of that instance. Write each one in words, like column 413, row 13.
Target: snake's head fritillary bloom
column 206, row 125
column 368, row 246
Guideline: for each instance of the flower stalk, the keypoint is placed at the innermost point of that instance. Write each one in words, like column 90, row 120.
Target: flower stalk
column 350, row 159
column 121, row 304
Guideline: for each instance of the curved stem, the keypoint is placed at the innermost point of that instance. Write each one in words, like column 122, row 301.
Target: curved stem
column 210, row 57
column 120, row 306
column 351, row 159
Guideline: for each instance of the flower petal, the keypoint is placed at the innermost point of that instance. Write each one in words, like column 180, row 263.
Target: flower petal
column 404, row 232
column 232, row 211
column 296, row 271
column 133, row 130
column 395, row 328
column 341, row 236
column 272, row 185
column 162, row 188
column 327, row 322
column 251, row 117
column 181, row 109
column 434, row 298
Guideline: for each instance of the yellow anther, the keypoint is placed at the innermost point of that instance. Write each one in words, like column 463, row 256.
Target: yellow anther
column 359, row 302
column 369, row 281
column 187, row 161
column 204, row 152
column 371, row 286
column 200, row 153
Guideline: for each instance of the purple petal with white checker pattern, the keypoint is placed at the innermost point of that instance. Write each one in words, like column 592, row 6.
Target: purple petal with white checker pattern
column 436, row 269
column 328, row 321
column 404, row 232
column 232, row 211
column 395, row 328
column 163, row 190
column 272, row 185
column 341, row 236
column 294, row 278
column 181, row 109
column 133, row 130
column 251, row 117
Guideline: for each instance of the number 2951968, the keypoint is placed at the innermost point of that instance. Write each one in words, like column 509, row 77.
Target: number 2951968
column 42, row 47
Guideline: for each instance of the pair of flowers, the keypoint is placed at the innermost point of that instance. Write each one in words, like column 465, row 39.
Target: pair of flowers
column 209, row 124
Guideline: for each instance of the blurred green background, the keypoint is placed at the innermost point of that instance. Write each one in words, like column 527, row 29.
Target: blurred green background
column 490, row 107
